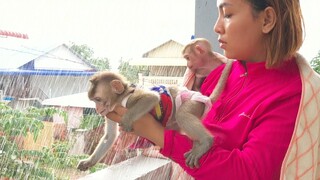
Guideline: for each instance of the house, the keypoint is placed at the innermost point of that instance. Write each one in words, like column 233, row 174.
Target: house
column 75, row 105
column 30, row 72
column 165, row 64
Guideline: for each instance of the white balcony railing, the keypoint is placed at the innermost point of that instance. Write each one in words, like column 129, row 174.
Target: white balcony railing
column 147, row 81
column 137, row 168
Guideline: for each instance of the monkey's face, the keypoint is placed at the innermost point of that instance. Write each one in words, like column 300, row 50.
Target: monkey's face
column 196, row 61
column 103, row 100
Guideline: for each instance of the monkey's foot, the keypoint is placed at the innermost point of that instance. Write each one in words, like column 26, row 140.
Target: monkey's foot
column 199, row 148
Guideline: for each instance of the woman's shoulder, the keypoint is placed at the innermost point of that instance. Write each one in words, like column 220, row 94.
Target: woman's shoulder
column 212, row 79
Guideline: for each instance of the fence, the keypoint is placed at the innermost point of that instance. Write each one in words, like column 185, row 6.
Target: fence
column 148, row 81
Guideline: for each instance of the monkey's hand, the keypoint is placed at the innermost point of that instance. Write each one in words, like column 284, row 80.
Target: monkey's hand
column 85, row 164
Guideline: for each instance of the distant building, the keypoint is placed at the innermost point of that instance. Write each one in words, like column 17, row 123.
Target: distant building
column 30, row 73
column 165, row 64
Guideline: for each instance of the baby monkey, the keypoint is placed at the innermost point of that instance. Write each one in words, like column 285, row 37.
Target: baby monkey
column 174, row 107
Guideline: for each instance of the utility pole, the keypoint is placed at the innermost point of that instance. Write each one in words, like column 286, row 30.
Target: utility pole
column 206, row 14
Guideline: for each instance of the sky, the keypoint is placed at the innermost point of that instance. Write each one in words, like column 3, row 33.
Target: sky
column 122, row 28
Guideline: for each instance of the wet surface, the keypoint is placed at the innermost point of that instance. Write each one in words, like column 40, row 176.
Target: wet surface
column 140, row 167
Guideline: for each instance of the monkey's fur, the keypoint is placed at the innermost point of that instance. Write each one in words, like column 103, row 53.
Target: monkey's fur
column 142, row 101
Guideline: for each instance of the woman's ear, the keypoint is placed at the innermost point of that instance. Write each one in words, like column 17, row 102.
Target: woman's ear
column 269, row 20
column 117, row 86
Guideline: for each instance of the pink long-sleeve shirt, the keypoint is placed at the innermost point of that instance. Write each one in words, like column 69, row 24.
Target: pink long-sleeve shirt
column 252, row 122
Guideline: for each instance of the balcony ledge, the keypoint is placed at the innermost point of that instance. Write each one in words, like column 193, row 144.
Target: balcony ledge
column 139, row 167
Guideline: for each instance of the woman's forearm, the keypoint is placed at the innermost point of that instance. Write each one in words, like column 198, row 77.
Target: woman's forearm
column 150, row 129
column 146, row 127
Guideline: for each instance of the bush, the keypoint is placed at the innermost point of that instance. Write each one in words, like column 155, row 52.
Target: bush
column 315, row 63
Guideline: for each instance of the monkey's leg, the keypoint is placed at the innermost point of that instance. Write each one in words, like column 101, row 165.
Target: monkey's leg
column 187, row 117
column 137, row 107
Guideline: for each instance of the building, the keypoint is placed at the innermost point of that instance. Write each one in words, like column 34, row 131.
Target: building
column 165, row 64
column 206, row 14
column 30, row 73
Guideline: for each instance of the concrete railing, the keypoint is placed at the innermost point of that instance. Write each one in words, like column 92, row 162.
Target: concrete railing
column 147, row 81
column 137, row 168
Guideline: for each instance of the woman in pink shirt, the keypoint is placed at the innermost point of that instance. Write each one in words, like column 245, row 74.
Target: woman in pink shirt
column 254, row 119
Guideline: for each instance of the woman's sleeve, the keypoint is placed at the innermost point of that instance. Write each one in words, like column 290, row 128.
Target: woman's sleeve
column 259, row 157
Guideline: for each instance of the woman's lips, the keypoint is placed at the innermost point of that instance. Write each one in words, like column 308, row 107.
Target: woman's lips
column 222, row 44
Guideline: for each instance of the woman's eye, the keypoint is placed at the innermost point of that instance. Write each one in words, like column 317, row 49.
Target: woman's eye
column 227, row 16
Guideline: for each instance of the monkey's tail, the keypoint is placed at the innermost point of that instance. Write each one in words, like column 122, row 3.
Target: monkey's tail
column 221, row 82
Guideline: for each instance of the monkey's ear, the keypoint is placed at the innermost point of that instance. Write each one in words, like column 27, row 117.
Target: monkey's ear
column 117, row 86
column 199, row 49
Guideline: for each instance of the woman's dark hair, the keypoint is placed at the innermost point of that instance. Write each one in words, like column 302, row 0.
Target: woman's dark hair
column 286, row 38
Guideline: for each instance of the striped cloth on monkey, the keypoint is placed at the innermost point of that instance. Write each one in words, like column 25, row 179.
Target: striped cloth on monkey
column 162, row 112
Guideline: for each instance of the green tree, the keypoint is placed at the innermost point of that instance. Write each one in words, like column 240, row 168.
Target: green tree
column 315, row 63
column 14, row 123
column 50, row 162
column 131, row 72
column 101, row 63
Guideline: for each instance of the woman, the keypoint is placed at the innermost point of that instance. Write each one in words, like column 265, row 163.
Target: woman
column 266, row 121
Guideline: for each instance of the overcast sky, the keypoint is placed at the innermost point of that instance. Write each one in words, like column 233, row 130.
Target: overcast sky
column 122, row 28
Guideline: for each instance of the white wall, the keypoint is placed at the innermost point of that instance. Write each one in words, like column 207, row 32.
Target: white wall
column 206, row 14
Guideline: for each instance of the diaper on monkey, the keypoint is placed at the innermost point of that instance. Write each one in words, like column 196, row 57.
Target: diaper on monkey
column 162, row 112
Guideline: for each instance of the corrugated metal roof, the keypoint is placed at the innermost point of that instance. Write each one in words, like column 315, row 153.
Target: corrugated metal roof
column 30, row 55
column 46, row 72
column 161, row 45
column 73, row 100
column 158, row 62
column 17, row 52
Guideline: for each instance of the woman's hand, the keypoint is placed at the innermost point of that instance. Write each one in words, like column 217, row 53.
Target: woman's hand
column 117, row 113
column 146, row 126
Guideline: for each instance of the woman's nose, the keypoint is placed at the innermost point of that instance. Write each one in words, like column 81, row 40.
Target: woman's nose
column 218, row 27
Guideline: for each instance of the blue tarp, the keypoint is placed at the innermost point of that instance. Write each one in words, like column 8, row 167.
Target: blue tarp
column 19, row 72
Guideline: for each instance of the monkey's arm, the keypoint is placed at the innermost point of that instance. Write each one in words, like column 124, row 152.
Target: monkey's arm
column 139, row 104
column 102, row 148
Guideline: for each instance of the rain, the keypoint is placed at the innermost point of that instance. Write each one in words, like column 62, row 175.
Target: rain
column 47, row 122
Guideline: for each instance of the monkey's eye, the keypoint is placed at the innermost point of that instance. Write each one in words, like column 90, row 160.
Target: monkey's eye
column 97, row 100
